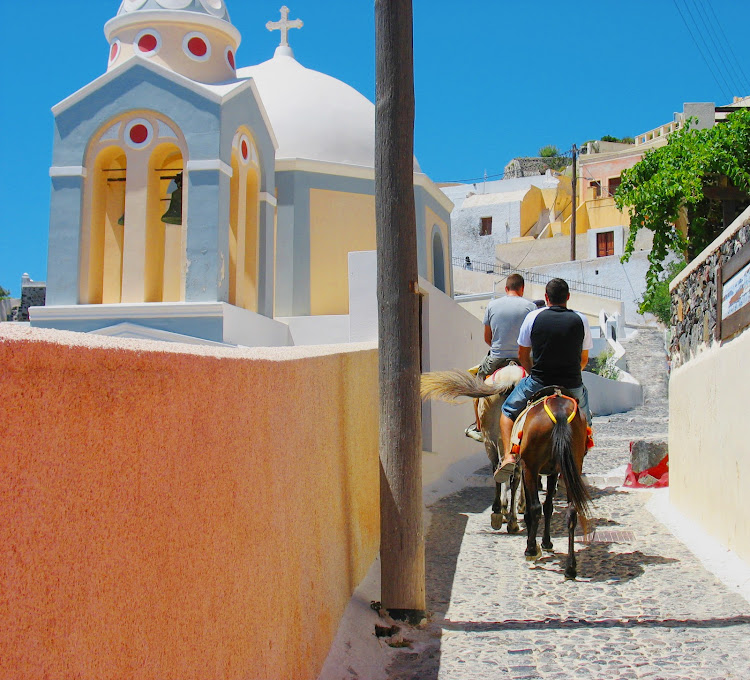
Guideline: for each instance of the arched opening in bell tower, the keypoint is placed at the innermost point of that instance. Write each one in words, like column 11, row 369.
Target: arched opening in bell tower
column 244, row 219
column 165, row 224
column 108, row 186
column 133, row 229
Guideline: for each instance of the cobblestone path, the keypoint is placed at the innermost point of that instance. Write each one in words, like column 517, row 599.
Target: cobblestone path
column 642, row 607
column 647, row 363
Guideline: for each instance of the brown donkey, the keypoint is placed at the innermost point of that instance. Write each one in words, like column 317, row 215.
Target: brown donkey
column 554, row 444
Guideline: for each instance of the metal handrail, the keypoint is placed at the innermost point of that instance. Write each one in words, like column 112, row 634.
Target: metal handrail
column 506, row 270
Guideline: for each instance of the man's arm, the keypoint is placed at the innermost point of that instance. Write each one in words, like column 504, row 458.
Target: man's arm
column 524, row 356
column 488, row 335
column 584, row 358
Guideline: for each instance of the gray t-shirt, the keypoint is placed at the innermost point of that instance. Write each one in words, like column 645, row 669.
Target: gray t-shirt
column 505, row 316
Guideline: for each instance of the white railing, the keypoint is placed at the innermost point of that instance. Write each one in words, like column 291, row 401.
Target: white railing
column 661, row 131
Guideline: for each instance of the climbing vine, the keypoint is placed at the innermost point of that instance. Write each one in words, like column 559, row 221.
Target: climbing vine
column 677, row 179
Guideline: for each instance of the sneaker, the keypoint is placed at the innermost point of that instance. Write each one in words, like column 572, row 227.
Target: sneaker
column 504, row 472
column 473, row 433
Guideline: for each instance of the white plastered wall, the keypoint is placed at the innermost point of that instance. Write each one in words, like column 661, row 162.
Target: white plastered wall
column 451, row 338
column 709, row 460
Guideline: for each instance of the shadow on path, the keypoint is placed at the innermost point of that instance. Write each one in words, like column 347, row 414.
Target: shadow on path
column 444, row 539
column 553, row 623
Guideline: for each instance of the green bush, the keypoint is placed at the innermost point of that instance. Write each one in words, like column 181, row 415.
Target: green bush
column 604, row 365
column 4, row 294
column 549, row 151
column 657, row 300
column 619, row 140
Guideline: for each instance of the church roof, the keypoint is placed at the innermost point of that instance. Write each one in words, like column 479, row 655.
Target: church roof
column 315, row 116
column 214, row 8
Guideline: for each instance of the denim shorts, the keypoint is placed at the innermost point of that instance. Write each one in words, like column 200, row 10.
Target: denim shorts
column 528, row 386
column 492, row 364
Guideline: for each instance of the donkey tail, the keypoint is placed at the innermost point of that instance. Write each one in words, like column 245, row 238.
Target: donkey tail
column 562, row 451
column 449, row 385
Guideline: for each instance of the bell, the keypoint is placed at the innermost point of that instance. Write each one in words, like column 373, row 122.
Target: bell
column 174, row 211
column 121, row 221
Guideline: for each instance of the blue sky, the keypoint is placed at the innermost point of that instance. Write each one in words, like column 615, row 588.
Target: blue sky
column 494, row 80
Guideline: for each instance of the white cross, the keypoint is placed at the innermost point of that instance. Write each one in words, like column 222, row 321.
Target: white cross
column 284, row 25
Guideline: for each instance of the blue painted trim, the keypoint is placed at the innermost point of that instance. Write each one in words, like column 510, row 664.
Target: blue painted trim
column 64, row 252
column 206, row 328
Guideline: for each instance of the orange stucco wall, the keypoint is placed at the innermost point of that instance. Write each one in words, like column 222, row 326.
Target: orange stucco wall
column 171, row 512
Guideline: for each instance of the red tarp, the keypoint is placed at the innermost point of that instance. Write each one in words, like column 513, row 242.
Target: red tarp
column 639, row 480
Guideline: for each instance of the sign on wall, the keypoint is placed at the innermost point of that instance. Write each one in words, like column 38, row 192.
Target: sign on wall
column 734, row 294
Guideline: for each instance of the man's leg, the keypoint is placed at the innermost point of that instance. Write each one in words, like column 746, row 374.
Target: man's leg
column 485, row 368
column 506, row 429
column 513, row 405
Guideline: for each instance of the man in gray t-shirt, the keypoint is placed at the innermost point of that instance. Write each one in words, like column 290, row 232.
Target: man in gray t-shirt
column 502, row 322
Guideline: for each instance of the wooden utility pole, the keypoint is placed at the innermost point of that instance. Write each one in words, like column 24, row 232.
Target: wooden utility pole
column 575, row 205
column 401, row 535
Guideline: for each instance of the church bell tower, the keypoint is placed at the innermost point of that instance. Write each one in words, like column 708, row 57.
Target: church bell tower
column 162, row 181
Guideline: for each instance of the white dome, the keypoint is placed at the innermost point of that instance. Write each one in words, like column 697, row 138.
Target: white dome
column 314, row 116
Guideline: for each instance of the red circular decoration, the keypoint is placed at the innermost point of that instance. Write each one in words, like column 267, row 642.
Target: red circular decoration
column 113, row 52
column 148, row 43
column 198, row 47
column 245, row 150
column 138, row 134
column 230, row 58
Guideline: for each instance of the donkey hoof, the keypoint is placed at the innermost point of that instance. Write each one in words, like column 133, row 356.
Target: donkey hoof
column 497, row 521
column 533, row 556
column 547, row 547
column 513, row 528
column 570, row 574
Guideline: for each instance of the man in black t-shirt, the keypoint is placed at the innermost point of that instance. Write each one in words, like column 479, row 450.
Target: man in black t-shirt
column 559, row 340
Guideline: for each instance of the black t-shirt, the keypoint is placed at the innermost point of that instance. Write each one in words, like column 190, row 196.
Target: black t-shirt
column 557, row 336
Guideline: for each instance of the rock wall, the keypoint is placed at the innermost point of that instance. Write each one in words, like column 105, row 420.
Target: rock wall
column 694, row 297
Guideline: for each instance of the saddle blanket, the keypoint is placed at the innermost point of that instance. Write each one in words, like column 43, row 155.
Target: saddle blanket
column 517, row 432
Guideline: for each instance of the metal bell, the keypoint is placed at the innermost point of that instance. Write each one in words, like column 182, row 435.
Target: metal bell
column 121, row 221
column 174, row 211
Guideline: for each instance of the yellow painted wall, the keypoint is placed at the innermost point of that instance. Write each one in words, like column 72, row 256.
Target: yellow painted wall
column 531, row 209
column 603, row 213
column 152, row 529
column 340, row 223
column 709, row 460
column 582, row 221
column 596, row 213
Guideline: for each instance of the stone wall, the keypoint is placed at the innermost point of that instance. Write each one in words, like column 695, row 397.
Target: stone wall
column 33, row 294
column 694, row 296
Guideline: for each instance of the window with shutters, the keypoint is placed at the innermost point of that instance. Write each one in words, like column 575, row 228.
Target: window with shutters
column 605, row 244
column 614, row 182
